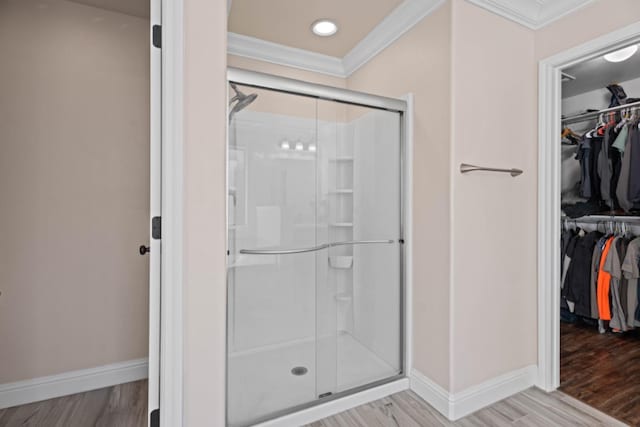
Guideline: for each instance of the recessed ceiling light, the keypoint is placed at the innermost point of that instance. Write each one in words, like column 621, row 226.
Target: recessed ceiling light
column 299, row 146
column 622, row 54
column 324, row 28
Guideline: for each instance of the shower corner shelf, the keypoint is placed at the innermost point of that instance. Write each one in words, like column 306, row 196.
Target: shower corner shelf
column 341, row 262
column 344, row 297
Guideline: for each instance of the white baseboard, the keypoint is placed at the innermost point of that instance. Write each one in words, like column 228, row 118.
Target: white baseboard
column 457, row 405
column 43, row 388
column 313, row 414
column 430, row 392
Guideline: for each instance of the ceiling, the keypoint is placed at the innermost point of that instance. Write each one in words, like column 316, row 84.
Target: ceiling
column 598, row 73
column 288, row 22
column 139, row 8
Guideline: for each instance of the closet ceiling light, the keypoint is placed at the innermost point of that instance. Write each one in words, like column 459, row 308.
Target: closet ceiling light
column 324, row 28
column 622, row 54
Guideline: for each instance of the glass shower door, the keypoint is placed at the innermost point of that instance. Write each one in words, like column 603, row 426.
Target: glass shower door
column 358, row 302
column 272, row 263
column 314, row 265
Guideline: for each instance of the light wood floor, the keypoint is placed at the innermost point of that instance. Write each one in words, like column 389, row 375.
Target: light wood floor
column 125, row 406
column 527, row 409
column 120, row 406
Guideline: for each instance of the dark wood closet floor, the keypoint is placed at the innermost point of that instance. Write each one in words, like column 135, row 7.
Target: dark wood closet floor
column 124, row 405
column 602, row 370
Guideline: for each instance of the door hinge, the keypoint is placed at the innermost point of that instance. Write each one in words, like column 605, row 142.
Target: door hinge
column 156, row 227
column 154, row 419
column 156, row 32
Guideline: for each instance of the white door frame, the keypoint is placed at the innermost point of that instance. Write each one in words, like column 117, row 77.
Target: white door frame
column 171, row 320
column 549, row 129
column 155, row 209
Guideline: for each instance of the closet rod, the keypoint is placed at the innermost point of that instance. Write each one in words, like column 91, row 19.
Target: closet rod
column 593, row 219
column 595, row 114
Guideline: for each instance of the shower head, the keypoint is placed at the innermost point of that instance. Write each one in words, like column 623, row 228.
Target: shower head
column 242, row 100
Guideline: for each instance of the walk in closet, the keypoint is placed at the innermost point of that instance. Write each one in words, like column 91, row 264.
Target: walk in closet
column 600, row 235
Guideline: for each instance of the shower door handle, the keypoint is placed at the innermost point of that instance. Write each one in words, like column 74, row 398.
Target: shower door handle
column 310, row 249
column 283, row 251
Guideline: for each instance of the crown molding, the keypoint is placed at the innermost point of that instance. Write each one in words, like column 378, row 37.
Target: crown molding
column 533, row 14
column 391, row 28
column 251, row 47
column 399, row 21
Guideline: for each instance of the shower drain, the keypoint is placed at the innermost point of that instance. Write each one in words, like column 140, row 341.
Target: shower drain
column 299, row 370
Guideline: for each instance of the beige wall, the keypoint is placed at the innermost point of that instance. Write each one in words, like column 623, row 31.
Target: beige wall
column 494, row 216
column 596, row 19
column 204, row 294
column 419, row 63
column 74, row 185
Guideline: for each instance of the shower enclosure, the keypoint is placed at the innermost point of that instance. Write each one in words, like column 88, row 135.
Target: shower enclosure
column 315, row 245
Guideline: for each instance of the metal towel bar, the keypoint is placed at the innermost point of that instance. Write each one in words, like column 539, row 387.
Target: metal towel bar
column 466, row 168
column 310, row 249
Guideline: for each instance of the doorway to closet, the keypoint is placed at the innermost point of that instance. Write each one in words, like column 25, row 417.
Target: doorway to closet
column 599, row 229
column 80, row 185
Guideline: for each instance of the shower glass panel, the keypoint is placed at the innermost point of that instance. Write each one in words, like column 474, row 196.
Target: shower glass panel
column 314, row 265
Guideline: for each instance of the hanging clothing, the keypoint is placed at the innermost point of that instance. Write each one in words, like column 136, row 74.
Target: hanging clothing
column 595, row 267
column 605, row 170
column 621, row 140
column 569, row 305
column 631, row 270
column 612, row 265
column 583, row 155
column 577, row 287
column 604, row 280
column 634, row 174
column 622, row 191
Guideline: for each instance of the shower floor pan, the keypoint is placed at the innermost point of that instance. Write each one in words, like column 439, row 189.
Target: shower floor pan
column 262, row 382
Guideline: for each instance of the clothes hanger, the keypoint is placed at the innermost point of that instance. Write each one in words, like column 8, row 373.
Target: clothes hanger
column 624, row 118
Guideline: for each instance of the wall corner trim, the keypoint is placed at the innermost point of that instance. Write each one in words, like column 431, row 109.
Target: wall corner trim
column 49, row 387
column 457, row 405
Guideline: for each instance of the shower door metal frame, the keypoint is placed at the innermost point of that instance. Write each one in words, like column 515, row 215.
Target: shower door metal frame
column 344, row 96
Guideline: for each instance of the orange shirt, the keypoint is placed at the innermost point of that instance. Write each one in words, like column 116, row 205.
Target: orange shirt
column 604, row 280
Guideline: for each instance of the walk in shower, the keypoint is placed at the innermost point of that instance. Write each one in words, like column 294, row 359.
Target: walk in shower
column 315, row 245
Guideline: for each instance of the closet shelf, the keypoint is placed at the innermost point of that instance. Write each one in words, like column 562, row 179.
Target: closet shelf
column 342, row 191
column 341, row 224
column 341, row 159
